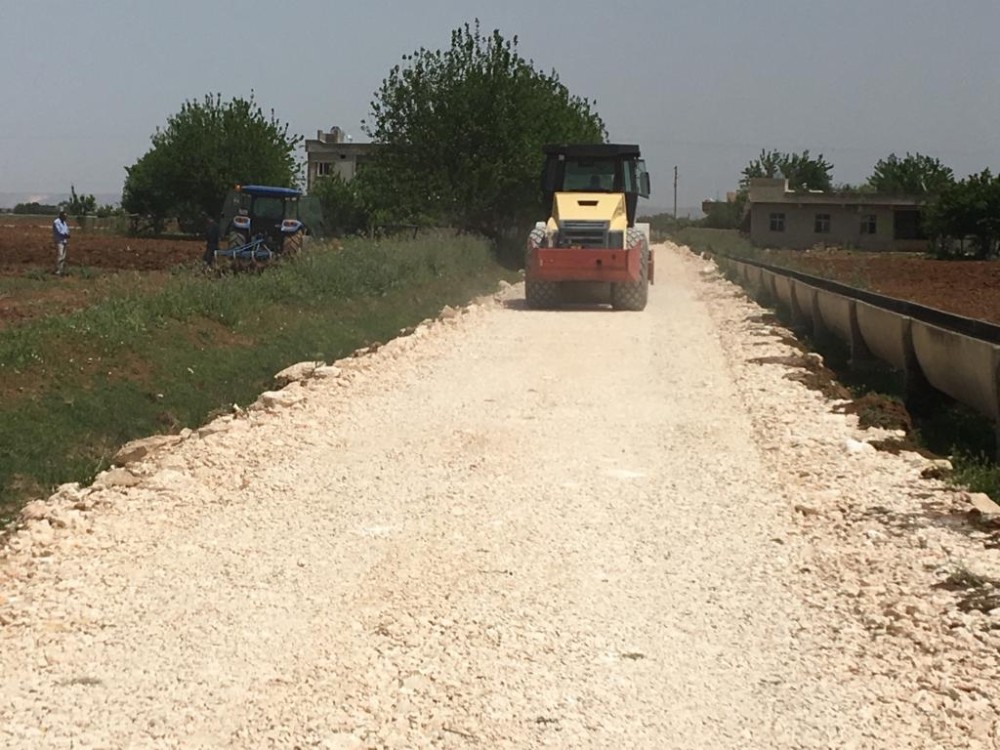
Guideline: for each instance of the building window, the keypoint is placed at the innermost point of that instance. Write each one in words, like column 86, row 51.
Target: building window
column 869, row 224
column 777, row 222
column 822, row 225
column 322, row 168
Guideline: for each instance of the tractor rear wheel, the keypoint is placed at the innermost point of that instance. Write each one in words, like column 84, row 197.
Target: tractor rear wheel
column 539, row 295
column 292, row 244
column 235, row 239
column 634, row 295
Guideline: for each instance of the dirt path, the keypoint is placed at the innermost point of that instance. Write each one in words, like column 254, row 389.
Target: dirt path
column 512, row 529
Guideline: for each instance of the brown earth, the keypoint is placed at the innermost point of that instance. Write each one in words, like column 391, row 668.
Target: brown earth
column 967, row 287
column 28, row 248
column 99, row 264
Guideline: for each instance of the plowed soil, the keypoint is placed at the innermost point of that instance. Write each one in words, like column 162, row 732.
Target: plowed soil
column 28, row 248
column 96, row 260
column 967, row 287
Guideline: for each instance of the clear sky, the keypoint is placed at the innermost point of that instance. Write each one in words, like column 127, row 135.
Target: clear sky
column 701, row 84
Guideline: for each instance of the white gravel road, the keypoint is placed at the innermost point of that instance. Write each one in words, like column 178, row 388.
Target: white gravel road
column 512, row 529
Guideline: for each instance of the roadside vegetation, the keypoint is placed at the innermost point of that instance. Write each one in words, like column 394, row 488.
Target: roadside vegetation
column 707, row 240
column 76, row 387
column 458, row 136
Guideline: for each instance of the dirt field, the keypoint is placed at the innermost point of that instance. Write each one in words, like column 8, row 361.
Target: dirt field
column 967, row 288
column 970, row 288
column 24, row 249
column 97, row 263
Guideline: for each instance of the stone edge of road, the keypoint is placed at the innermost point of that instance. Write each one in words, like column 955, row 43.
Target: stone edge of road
column 898, row 565
column 71, row 506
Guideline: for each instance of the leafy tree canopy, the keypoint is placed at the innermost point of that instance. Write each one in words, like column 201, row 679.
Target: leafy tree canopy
column 724, row 214
column 802, row 171
column 80, row 205
column 40, row 209
column 205, row 149
column 343, row 203
column 462, row 131
column 914, row 174
column 967, row 209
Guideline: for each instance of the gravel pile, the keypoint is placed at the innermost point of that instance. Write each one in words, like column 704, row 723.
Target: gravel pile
column 512, row 529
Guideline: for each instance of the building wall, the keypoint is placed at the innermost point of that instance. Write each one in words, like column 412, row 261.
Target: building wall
column 329, row 154
column 845, row 227
column 320, row 165
column 767, row 189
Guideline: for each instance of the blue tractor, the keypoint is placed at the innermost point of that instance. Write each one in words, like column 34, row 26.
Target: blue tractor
column 262, row 223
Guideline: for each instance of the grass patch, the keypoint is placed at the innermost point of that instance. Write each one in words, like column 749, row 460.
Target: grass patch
column 731, row 243
column 725, row 241
column 76, row 387
column 977, row 471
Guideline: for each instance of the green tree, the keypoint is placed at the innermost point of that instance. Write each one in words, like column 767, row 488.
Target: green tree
column 725, row 214
column 914, row 174
column 802, row 171
column 80, row 206
column 969, row 209
column 107, row 210
column 462, row 130
column 36, row 208
column 205, row 149
column 344, row 210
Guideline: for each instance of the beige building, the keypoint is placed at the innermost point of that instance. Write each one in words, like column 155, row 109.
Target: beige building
column 332, row 153
column 780, row 218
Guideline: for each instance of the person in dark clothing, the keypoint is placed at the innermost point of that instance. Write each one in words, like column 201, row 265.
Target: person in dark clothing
column 211, row 240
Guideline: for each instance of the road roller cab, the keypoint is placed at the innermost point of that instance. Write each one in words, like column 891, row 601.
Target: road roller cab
column 591, row 240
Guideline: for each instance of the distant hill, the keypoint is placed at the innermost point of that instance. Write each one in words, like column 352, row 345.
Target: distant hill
column 9, row 200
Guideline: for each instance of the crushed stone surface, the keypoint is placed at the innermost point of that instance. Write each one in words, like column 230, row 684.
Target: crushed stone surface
column 512, row 529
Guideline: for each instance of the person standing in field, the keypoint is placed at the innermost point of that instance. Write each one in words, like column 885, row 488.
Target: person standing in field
column 211, row 240
column 60, row 236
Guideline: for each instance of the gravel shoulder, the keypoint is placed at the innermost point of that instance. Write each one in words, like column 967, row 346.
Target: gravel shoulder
column 511, row 529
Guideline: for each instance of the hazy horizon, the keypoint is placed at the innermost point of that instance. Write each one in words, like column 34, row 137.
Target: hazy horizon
column 704, row 86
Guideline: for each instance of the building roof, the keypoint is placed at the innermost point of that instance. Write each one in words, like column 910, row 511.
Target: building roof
column 270, row 192
column 591, row 150
column 841, row 199
column 314, row 145
column 770, row 191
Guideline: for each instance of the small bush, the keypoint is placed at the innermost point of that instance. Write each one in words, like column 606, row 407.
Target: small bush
column 725, row 241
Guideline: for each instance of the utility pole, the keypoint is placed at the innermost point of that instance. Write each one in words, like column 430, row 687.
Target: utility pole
column 675, row 193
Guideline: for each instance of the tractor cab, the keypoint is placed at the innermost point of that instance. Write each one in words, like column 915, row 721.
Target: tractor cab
column 260, row 221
